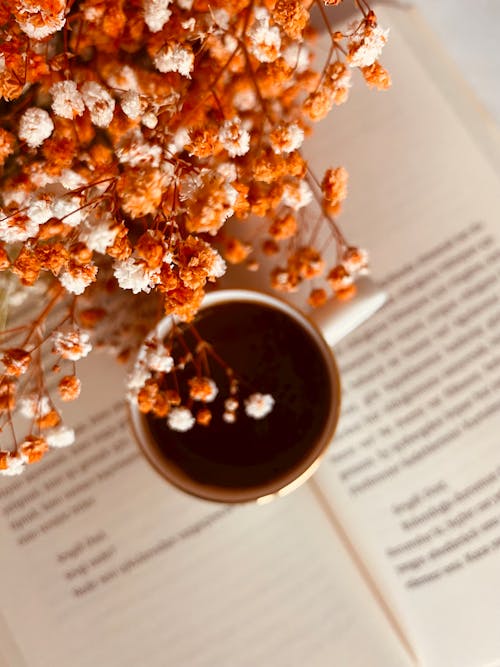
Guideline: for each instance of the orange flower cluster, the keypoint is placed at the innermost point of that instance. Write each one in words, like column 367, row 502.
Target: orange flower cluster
column 131, row 133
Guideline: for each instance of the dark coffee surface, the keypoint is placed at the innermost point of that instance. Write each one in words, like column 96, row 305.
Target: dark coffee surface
column 271, row 353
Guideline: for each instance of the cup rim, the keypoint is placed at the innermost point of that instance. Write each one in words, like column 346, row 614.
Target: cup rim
column 288, row 480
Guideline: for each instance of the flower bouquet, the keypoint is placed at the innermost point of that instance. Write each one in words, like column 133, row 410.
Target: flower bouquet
column 131, row 134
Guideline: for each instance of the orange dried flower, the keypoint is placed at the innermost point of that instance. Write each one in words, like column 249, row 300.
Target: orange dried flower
column 284, row 227
column 284, row 280
column 52, row 418
column 270, row 247
column 33, row 448
column 346, row 293
column 334, row 185
column 235, row 251
column 339, row 278
column 317, row 297
column 151, row 248
column 202, row 389
column 291, row 16
column 27, row 266
column 376, row 76
column 204, row 417
column 306, row 262
column 16, row 361
column 69, row 387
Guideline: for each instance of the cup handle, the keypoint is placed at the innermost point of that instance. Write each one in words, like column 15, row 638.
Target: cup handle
column 336, row 319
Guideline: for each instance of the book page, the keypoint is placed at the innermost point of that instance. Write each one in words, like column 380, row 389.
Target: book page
column 414, row 470
column 103, row 563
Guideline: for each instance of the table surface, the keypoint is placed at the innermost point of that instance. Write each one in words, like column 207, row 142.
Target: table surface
column 469, row 31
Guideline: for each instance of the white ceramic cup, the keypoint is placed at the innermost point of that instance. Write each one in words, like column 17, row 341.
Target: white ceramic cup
column 325, row 328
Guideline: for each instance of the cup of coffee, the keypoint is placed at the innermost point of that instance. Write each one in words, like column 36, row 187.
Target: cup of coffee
column 267, row 348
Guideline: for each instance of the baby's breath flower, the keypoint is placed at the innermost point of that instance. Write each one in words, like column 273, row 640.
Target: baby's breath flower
column 39, row 20
column 202, row 389
column 286, row 138
column 76, row 278
column 297, row 196
column 157, row 357
column 175, row 58
column 366, row 44
column 61, row 436
column 231, row 404
column 16, row 361
column 73, row 344
column 259, row 405
column 98, row 234
column 134, row 275
column 17, row 228
column 131, row 104
column 35, row 126
column 33, row 448
column 67, row 100
column 99, row 102
column 11, row 464
column 137, row 379
column 180, row 419
column 265, row 41
column 35, row 406
column 156, row 14
column 234, row 138
column 69, row 388
column 68, row 210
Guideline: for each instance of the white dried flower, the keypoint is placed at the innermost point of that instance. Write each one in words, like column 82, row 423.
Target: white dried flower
column 265, row 41
column 67, row 99
column 38, row 22
column 98, row 235
column 218, row 267
column 15, row 465
column 149, row 120
column 365, row 45
column 137, row 379
column 229, row 417
column 175, row 58
column 245, row 99
column 40, row 210
column 73, row 345
column 259, row 405
column 287, row 138
column 71, row 180
column 134, row 276
column 156, row 14
column 61, row 436
column 231, row 404
column 35, row 126
column 297, row 197
column 99, row 102
column 17, row 228
column 131, row 104
column 234, row 138
column 76, row 282
column 297, row 56
column 34, row 406
column 180, row 419
column 157, row 356
column 68, row 210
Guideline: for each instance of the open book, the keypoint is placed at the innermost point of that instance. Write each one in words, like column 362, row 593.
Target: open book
column 390, row 556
